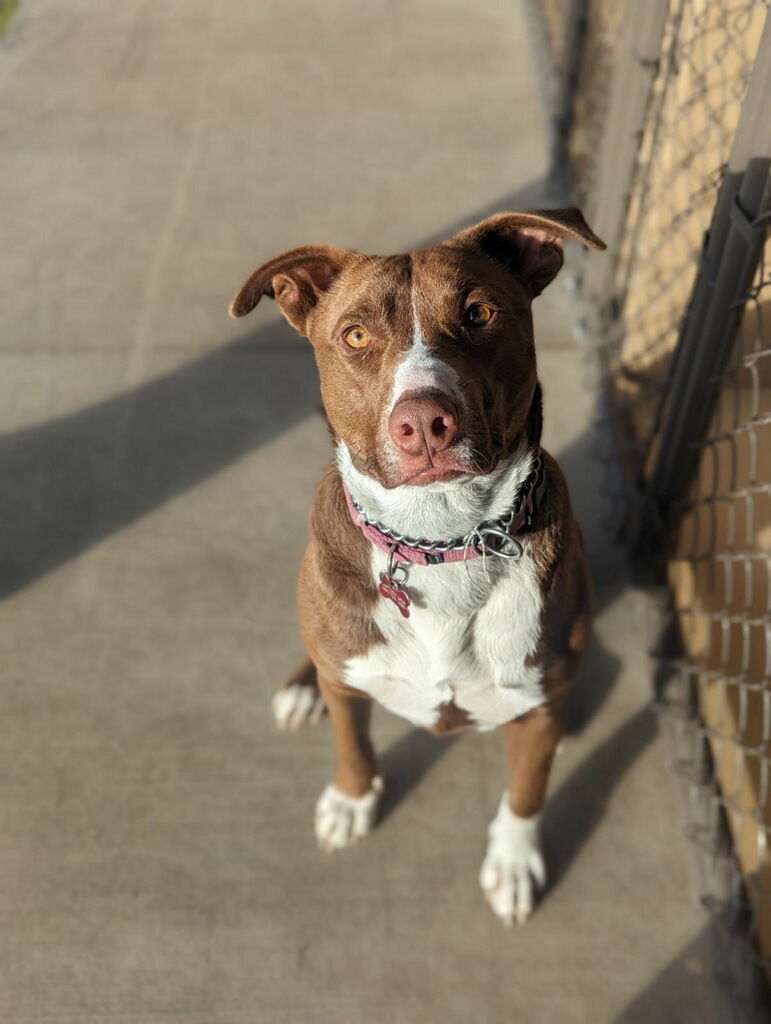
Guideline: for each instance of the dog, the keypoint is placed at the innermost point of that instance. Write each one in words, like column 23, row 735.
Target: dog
column 445, row 575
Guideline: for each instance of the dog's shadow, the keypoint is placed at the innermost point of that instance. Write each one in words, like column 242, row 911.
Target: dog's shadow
column 598, row 672
column 578, row 805
column 406, row 761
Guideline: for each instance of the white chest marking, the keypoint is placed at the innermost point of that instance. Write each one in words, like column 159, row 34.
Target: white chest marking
column 471, row 628
column 472, row 624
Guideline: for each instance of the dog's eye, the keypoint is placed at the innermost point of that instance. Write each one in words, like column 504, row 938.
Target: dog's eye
column 356, row 337
column 478, row 315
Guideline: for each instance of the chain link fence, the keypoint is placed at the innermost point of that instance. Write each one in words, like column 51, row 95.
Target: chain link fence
column 717, row 689
column 666, row 143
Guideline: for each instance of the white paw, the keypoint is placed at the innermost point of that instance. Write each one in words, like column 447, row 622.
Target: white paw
column 295, row 705
column 512, row 865
column 343, row 820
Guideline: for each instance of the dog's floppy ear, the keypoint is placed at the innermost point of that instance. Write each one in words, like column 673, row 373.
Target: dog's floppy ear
column 295, row 280
column 529, row 243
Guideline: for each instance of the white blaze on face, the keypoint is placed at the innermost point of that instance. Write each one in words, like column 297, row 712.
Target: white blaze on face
column 420, row 369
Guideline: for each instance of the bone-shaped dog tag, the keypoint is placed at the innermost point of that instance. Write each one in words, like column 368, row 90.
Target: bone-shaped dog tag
column 390, row 588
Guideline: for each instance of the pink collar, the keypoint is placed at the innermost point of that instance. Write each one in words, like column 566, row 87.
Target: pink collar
column 492, row 537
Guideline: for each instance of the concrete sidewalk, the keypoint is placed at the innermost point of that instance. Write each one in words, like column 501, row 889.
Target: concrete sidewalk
column 158, row 860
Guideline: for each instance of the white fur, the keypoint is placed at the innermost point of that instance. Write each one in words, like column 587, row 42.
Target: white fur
column 343, row 820
column 420, row 368
column 512, row 863
column 441, row 510
column 295, row 705
column 472, row 624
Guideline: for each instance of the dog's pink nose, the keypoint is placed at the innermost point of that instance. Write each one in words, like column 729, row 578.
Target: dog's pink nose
column 424, row 424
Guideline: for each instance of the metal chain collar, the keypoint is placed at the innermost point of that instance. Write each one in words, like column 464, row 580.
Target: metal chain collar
column 498, row 528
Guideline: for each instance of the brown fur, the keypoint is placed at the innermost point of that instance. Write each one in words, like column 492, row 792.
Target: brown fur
column 451, row 719
column 531, row 742
column 354, row 753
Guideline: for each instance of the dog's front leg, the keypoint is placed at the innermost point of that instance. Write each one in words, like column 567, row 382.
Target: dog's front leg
column 514, row 863
column 347, row 808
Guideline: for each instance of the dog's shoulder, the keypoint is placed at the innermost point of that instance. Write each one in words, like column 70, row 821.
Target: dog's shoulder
column 342, row 552
column 554, row 533
column 336, row 590
column 556, row 546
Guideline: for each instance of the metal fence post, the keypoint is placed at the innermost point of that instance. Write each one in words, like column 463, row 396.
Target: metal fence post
column 729, row 258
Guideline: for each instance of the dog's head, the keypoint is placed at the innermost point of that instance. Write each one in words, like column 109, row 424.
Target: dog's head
column 426, row 360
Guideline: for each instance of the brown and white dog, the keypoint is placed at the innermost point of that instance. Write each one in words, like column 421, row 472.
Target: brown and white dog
column 445, row 574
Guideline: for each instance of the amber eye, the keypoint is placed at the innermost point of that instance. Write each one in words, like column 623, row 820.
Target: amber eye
column 356, row 337
column 478, row 315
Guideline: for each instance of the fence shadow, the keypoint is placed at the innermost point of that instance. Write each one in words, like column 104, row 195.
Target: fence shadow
column 75, row 480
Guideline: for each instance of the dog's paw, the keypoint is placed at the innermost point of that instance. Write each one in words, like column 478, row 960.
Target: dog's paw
column 343, row 820
column 513, row 865
column 296, row 705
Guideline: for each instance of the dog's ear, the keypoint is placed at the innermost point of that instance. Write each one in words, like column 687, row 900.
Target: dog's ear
column 530, row 243
column 295, row 280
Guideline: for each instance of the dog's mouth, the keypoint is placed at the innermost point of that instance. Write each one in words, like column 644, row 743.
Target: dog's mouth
column 433, row 475
column 453, row 465
column 461, row 462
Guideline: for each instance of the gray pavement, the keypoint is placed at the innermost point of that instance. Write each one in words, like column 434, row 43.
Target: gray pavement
column 157, row 860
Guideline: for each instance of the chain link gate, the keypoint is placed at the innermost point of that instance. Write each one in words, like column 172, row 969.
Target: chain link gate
column 662, row 119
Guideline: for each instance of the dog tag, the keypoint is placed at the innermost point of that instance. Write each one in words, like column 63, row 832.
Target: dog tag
column 390, row 588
